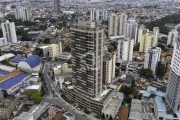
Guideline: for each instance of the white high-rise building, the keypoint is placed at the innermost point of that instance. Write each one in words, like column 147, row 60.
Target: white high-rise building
column 152, row 57
column 156, row 34
column 98, row 15
column 125, row 49
column 173, row 86
column 131, row 29
column 9, row 31
column 117, row 24
column 172, row 36
column 21, row 12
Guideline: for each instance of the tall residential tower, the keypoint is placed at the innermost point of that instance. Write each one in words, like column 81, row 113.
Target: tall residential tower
column 87, row 57
column 57, row 6
column 173, row 86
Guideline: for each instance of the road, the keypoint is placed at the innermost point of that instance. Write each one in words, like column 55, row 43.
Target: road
column 58, row 102
column 67, row 108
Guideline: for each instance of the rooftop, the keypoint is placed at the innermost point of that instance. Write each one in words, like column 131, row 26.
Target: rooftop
column 12, row 79
column 113, row 103
column 33, row 61
column 17, row 59
column 34, row 87
column 6, row 56
column 123, row 113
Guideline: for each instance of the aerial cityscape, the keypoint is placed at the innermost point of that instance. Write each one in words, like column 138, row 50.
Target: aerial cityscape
column 89, row 60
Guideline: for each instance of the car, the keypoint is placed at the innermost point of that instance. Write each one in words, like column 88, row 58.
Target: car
column 52, row 105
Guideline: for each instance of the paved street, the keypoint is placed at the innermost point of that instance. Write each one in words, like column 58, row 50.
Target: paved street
column 60, row 102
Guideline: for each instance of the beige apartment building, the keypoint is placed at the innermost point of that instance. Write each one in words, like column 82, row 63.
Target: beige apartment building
column 147, row 40
column 117, row 24
column 55, row 49
column 109, row 62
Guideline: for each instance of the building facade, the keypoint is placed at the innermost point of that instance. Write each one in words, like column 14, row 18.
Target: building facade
column 6, row 108
column 117, row 24
column 9, row 31
column 87, row 57
column 131, row 29
column 172, row 36
column 109, row 62
column 98, row 15
column 3, row 42
column 146, row 41
column 173, row 86
column 125, row 49
column 55, row 49
column 156, row 34
column 57, row 8
column 22, row 12
column 152, row 57
column 122, row 19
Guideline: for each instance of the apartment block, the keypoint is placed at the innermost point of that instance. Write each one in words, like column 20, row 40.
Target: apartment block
column 55, row 49
column 87, row 57
column 22, row 12
column 147, row 40
column 109, row 62
column 152, row 57
column 173, row 86
column 9, row 31
column 172, row 36
column 131, row 29
column 117, row 24
column 125, row 49
column 98, row 15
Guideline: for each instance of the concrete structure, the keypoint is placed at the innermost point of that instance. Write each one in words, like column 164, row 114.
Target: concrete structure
column 22, row 12
column 172, row 37
column 59, row 80
column 117, row 24
column 6, row 56
column 64, row 56
column 112, row 28
column 141, row 31
column 6, row 107
column 112, row 106
column 3, row 41
column 98, row 15
column 109, row 63
column 67, row 68
column 30, row 64
column 152, row 57
column 9, row 32
column 125, row 49
column 132, row 66
column 34, row 87
column 122, row 19
column 173, row 86
column 24, row 116
column 87, row 57
column 147, row 40
column 55, row 49
column 57, row 8
column 131, row 29
column 44, row 51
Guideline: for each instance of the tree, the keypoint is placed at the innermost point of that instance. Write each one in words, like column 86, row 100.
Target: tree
column 162, row 47
column 29, row 93
column 36, row 97
column 110, row 118
column 47, row 40
column 103, row 116
column 133, row 83
column 0, row 52
column 126, row 90
column 69, row 61
column 67, row 49
column 136, row 48
column 56, row 59
column 145, row 72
